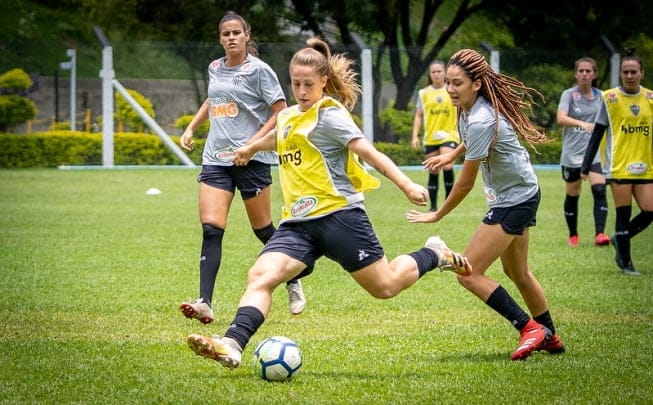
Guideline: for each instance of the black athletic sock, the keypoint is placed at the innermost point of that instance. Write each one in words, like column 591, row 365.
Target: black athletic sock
column 639, row 223
column 210, row 260
column 571, row 214
column 545, row 319
column 448, row 181
column 264, row 234
column 600, row 207
column 506, row 306
column 245, row 324
column 426, row 260
column 433, row 190
column 621, row 232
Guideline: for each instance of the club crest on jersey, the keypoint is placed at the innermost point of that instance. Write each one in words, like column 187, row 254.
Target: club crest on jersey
column 439, row 99
column 634, row 109
column 286, row 131
column 237, row 80
column 303, row 206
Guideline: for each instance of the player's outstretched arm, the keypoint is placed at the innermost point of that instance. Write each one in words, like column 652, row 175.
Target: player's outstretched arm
column 415, row 193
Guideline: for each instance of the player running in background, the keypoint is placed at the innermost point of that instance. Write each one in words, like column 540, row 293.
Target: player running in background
column 626, row 118
column 434, row 109
column 576, row 112
column 244, row 98
column 324, row 213
column 491, row 121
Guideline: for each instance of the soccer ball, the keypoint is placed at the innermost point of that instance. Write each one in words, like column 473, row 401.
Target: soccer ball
column 277, row 358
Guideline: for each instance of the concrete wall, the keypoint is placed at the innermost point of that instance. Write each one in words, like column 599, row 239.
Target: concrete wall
column 170, row 98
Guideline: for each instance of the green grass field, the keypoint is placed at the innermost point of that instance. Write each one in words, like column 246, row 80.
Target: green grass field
column 92, row 270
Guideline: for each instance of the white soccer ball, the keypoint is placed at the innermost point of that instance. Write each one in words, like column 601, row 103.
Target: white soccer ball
column 277, row 358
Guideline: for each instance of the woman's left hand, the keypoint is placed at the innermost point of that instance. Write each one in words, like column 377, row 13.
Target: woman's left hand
column 421, row 217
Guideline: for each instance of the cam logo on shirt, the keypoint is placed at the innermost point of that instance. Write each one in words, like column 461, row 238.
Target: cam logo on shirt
column 634, row 109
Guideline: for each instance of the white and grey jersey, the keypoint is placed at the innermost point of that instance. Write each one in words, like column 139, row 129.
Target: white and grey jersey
column 239, row 101
column 508, row 176
column 333, row 132
column 576, row 139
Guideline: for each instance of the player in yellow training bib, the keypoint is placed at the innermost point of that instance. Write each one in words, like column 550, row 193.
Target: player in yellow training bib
column 435, row 110
column 324, row 213
column 626, row 119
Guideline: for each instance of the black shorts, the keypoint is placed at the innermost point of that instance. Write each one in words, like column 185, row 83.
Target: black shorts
column 345, row 237
column 515, row 219
column 572, row 174
column 630, row 181
column 434, row 148
column 250, row 179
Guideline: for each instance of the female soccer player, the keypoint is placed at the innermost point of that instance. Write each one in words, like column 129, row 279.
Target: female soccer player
column 626, row 116
column 576, row 112
column 435, row 110
column 490, row 121
column 323, row 213
column 244, row 97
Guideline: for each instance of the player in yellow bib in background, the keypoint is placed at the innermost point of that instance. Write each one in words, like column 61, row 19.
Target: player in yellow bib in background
column 435, row 110
column 626, row 119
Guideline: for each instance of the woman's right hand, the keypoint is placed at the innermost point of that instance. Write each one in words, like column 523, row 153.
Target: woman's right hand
column 186, row 140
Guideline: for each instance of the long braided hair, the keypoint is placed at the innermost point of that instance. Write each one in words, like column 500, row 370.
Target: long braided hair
column 508, row 96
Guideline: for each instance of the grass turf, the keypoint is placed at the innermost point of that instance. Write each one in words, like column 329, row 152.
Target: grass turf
column 92, row 270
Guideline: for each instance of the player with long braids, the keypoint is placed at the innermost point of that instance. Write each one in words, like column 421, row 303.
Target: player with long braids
column 626, row 117
column 491, row 119
column 244, row 97
column 323, row 214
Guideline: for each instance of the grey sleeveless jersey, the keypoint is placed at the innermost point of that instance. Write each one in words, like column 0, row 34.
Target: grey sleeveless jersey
column 575, row 139
column 239, row 100
column 508, row 176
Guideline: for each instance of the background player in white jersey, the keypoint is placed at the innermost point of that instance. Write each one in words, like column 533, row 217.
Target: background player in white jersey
column 434, row 109
column 491, row 118
column 244, row 98
column 626, row 118
column 324, row 213
column 576, row 112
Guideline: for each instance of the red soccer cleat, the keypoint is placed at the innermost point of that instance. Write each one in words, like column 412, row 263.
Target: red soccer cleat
column 553, row 345
column 601, row 239
column 533, row 336
column 573, row 241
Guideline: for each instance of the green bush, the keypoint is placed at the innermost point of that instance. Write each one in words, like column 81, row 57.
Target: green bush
column 126, row 114
column 201, row 132
column 397, row 125
column 15, row 80
column 15, row 110
column 14, row 107
column 57, row 148
column 402, row 155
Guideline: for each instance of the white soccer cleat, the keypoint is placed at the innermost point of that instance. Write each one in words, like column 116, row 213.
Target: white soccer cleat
column 197, row 309
column 296, row 298
column 447, row 258
column 223, row 350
